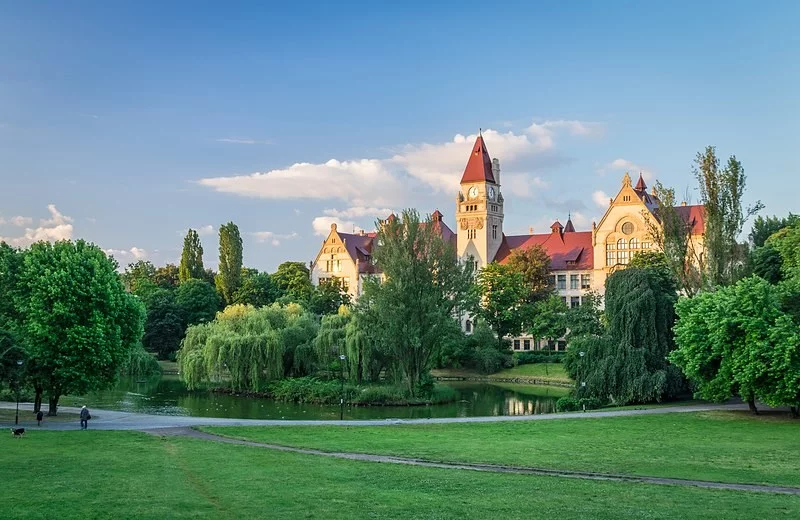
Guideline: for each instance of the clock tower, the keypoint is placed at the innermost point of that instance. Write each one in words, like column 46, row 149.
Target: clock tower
column 479, row 207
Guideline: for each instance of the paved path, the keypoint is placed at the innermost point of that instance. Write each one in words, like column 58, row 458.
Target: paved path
column 491, row 468
column 114, row 420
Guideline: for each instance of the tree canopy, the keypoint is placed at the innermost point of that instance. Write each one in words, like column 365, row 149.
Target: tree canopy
column 533, row 263
column 504, row 295
column 229, row 278
column 293, row 280
column 191, row 258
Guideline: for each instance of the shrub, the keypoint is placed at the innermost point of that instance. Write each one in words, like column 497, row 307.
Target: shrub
column 573, row 404
column 529, row 358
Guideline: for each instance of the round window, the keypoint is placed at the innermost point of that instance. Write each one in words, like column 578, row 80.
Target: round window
column 627, row 228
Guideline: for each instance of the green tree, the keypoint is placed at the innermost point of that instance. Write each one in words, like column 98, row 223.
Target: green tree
column 425, row 286
column 721, row 192
column 198, row 301
column 229, row 278
column 787, row 243
column 547, row 319
column 503, row 293
column 534, row 265
column 257, row 289
column 328, row 296
column 739, row 341
column 191, row 258
column 136, row 274
column 766, row 262
column 764, row 227
column 167, row 276
column 79, row 323
column 165, row 323
column 293, row 280
column 628, row 363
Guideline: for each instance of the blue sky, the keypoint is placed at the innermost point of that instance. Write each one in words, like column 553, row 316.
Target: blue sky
column 127, row 124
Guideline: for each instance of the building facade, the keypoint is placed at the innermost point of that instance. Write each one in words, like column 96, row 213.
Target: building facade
column 580, row 261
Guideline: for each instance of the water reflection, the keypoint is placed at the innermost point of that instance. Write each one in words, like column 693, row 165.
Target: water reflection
column 167, row 395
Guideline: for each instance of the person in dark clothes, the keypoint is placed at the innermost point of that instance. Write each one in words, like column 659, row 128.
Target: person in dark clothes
column 39, row 416
column 85, row 417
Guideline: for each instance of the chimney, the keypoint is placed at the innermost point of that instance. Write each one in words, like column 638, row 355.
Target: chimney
column 361, row 232
column 683, row 203
column 530, row 230
column 496, row 170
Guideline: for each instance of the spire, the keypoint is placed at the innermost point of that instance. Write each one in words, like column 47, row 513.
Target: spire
column 640, row 185
column 626, row 180
column 569, row 228
column 479, row 166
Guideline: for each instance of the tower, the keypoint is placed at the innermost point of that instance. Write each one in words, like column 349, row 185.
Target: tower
column 479, row 207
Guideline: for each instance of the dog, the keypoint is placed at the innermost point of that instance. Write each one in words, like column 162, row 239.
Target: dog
column 18, row 432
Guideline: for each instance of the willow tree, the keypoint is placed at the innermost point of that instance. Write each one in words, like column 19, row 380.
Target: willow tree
column 425, row 286
column 628, row 364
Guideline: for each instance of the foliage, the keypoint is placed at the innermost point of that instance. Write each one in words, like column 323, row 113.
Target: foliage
column 766, row 262
column 534, row 265
column 739, row 341
column 573, row 404
column 328, row 296
column 763, row 228
column 503, row 294
column 314, row 390
column 79, row 323
column 167, row 276
column 721, row 192
column 229, row 278
column 198, row 301
column 191, row 258
column 585, row 319
column 165, row 323
column 628, row 363
column 787, row 243
column 138, row 273
column 246, row 347
column 140, row 363
column 425, row 288
column 531, row 358
column 548, row 318
column 293, row 280
column 257, row 289
column 487, row 355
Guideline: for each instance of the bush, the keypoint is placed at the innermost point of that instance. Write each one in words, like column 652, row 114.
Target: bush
column 317, row 391
column 529, row 358
column 573, row 404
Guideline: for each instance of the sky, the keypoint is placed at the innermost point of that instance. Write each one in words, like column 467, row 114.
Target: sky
column 125, row 124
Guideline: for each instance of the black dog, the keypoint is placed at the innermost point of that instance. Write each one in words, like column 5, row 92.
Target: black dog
column 17, row 432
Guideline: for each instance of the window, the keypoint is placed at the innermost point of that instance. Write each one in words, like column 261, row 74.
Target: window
column 575, row 301
column 622, row 243
column 564, row 299
column 586, row 281
column 468, row 326
column 494, row 231
column 345, row 284
column 562, row 281
column 516, row 344
column 610, row 257
column 622, row 257
column 561, row 346
column 626, row 198
column 551, row 280
column 646, row 245
column 634, row 243
column 573, row 281
column 627, row 228
column 526, row 344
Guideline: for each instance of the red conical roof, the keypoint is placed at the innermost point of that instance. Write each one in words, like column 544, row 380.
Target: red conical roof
column 640, row 185
column 479, row 166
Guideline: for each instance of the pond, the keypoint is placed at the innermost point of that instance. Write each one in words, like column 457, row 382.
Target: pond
column 167, row 395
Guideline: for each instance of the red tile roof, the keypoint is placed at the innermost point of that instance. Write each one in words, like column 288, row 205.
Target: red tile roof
column 479, row 166
column 694, row 216
column 640, row 185
column 567, row 251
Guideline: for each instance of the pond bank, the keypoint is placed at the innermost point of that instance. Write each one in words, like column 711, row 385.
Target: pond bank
column 515, row 380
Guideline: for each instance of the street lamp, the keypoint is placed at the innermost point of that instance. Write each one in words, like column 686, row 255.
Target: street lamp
column 342, row 357
column 16, row 418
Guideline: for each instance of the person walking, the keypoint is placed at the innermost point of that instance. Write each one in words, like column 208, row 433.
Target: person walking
column 39, row 416
column 85, row 416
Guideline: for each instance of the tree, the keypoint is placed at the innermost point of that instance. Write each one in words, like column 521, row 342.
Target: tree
column 739, row 341
column 424, row 286
column 136, row 274
column 787, row 243
column 229, row 278
column 503, row 299
column 763, row 227
column 766, row 262
column 721, row 192
column 165, row 323
column 79, row 323
column 191, row 258
column 257, row 289
column 293, row 279
column 328, row 296
column 198, row 301
column 548, row 318
column 167, row 277
column 534, row 265
column 627, row 364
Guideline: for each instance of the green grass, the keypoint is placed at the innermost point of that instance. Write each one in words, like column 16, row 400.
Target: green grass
column 28, row 418
column 548, row 371
column 99, row 474
column 717, row 446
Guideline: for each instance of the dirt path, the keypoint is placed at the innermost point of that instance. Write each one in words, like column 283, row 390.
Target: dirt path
column 490, row 468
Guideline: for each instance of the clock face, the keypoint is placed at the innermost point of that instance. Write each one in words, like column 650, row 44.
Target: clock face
column 473, row 192
column 491, row 193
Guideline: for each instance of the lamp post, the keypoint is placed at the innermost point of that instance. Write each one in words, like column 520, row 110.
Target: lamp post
column 16, row 418
column 342, row 357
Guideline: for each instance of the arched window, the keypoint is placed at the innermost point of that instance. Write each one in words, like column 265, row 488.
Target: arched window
column 622, row 244
column 634, row 244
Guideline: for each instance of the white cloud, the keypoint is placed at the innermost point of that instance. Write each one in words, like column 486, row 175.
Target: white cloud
column 322, row 225
column 359, row 212
column 601, row 198
column 57, row 227
column 21, row 221
column 134, row 253
column 205, row 230
column 243, row 140
column 521, row 185
column 272, row 237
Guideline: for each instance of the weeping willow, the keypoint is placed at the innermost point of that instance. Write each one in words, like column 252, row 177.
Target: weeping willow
column 140, row 363
column 245, row 347
column 628, row 364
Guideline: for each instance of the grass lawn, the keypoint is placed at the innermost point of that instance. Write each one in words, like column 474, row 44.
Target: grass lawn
column 102, row 474
column 28, row 419
column 718, row 446
column 553, row 372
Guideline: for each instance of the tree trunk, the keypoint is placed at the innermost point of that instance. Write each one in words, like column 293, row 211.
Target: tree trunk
column 51, row 412
column 795, row 411
column 751, row 403
column 37, row 401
